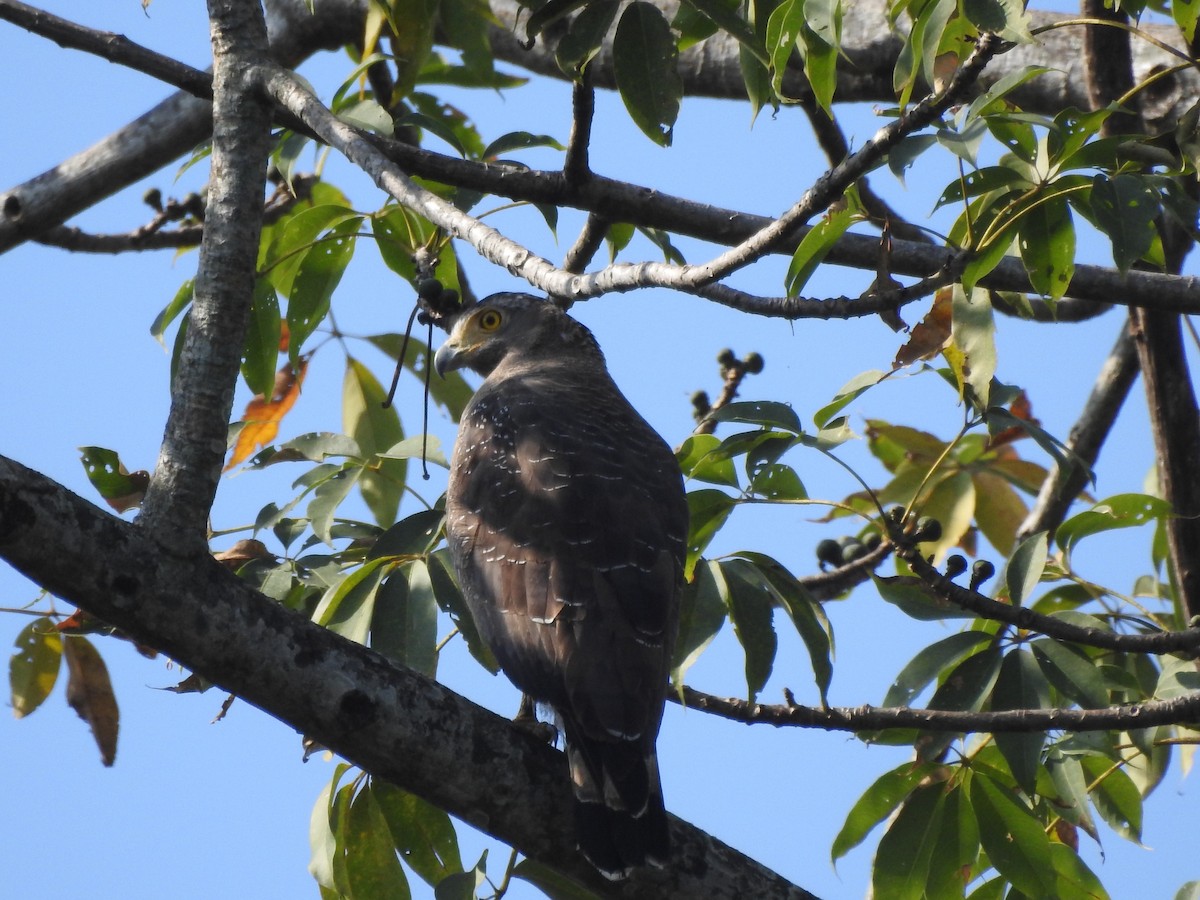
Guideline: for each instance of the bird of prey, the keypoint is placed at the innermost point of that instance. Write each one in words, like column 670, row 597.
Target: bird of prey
column 567, row 523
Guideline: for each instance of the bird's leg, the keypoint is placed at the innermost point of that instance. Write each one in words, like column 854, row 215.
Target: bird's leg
column 527, row 720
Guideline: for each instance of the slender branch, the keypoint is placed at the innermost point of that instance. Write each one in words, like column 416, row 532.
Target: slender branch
column 113, row 47
column 583, row 107
column 591, row 236
column 1108, row 395
column 1159, row 642
column 184, row 481
column 833, row 142
column 1185, row 708
column 389, row 720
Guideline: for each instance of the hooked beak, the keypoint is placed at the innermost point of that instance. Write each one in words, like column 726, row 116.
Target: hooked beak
column 447, row 359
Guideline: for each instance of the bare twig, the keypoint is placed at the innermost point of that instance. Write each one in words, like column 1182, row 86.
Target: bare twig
column 591, row 236
column 1185, row 708
column 1158, row 642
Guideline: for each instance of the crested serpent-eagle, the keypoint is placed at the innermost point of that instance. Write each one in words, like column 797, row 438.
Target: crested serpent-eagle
column 567, row 523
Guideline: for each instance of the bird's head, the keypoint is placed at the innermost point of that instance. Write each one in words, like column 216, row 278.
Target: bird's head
column 508, row 325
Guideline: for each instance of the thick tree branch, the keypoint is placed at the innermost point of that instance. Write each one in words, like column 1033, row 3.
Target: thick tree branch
column 184, row 481
column 1088, row 434
column 1185, row 708
column 386, row 719
column 164, row 133
column 869, row 50
column 1158, row 336
column 171, row 129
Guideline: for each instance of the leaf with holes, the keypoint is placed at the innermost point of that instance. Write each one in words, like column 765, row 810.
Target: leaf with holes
column 320, row 270
column 422, row 833
column 1125, row 209
column 33, row 668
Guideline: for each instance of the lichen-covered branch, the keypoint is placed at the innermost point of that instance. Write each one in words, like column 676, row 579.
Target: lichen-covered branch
column 184, row 481
column 390, row 721
column 874, row 718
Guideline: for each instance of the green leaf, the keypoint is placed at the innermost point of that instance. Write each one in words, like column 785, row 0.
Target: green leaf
column 466, row 27
column 1075, row 879
column 1190, row 890
column 323, row 836
column 901, row 867
column 1046, row 240
column 181, row 301
column 551, row 883
column 1021, row 685
column 451, row 600
column 404, row 624
column 1066, row 773
column 519, row 140
column 584, row 36
column 376, row 430
column 33, row 668
column 956, row 853
column 963, row 689
column 422, row 833
column 1119, row 511
column 776, row 481
column 770, row 413
column 262, row 340
column 1115, row 797
column 820, row 42
column 372, row 867
column 807, row 615
column 316, row 446
column 702, row 612
column 877, row 803
column 280, row 260
column 1006, row 18
column 815, row 245
column 847, row 394
column 725, row 16
column 752, row 614
column 122, row 489
column 915, row 599
column 328, row 496
column 708, row 509
column 1014, row 840
column 319, row 272
column 930, row 663
column 413, row 536
column 973, row 342
column 645, row 63
column 698, row 460
column 1024, row 569
column 782, row 34
column 451, row 392
column 348, row 606
column 1125, row 209
column 1072, row 672
column 1185, row 14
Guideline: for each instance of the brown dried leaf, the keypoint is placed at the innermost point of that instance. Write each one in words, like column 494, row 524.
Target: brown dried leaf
column 90, row 694
column 262, row 416
column 929, row 335
column 241, row 553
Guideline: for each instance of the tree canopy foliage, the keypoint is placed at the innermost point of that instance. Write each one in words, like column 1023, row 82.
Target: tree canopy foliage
column 1044, row 715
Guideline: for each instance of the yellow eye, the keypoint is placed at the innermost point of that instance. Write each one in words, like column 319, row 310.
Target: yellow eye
column 489, row 320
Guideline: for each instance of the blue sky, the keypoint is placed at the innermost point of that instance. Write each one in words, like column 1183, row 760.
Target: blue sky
column 202, row 810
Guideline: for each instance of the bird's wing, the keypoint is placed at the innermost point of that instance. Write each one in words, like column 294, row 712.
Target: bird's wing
column 567, row 524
